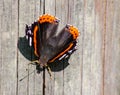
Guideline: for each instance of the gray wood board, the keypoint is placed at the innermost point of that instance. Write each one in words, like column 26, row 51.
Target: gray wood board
column 93, row 69
column 29, row 11
column 8, row 47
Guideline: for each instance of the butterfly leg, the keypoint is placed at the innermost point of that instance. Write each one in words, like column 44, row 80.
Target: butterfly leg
column 49, row 70
column 33, row 62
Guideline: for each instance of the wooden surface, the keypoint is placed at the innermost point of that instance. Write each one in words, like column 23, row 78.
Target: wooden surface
column 94, row 69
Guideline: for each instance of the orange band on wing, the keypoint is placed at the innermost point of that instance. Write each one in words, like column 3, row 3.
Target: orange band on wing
column 35, row 40
column 74, row 32
column 47, row 18
column 62, row 53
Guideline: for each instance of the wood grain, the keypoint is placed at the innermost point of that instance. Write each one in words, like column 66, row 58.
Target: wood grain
column 8, row 56
column 49, row 89
column 29, row 11
column 93, row 69
column 74, row 16
column 93, row 48
column 112, row 53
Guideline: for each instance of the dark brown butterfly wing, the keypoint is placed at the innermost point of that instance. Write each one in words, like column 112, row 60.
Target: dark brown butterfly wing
column 47, row 45
column 61, row 43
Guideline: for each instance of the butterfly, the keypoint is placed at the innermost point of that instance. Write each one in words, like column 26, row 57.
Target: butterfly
column 49, row 44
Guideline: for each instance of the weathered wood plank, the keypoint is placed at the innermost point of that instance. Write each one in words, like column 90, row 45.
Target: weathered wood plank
column 61, row 86
column 39, row 7
column 29, row 11
column 94, row 68
column 112, row 49
column 109, row 75
column 1, row 13
column 49, row 89
column 88, row 47
column 73, row 73
column 58, row 76
column 23, row 87
column 8, row 48
column 92, row 48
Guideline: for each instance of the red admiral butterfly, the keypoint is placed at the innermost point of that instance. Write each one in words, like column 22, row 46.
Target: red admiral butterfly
column 48, row 44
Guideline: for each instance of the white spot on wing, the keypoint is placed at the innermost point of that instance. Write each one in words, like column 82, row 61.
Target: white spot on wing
column 62, row 57
column 30, row 41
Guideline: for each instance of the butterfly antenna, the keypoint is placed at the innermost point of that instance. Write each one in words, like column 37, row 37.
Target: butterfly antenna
column 27, row 75
column 33, row 63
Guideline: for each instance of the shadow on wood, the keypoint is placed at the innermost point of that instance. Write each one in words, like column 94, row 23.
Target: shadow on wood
column 28, row 53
